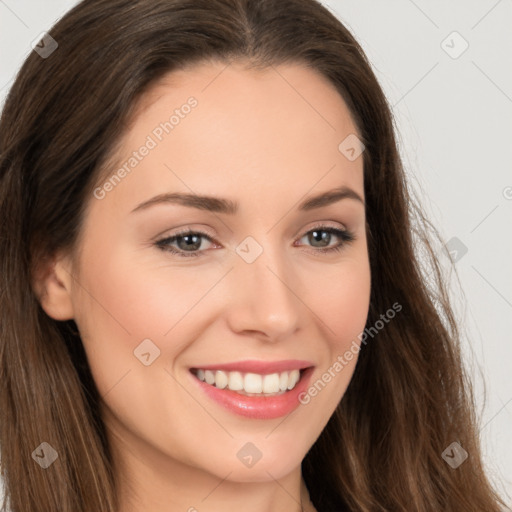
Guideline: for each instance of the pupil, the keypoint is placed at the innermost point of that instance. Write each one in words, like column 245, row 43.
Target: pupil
column 324, row 235
column 194, row 245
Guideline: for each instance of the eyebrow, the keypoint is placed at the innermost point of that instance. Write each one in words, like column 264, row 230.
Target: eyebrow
column 229, row 207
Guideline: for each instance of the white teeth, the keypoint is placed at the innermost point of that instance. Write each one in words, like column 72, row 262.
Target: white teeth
column 221, row 379
column 283, row 380
column 209, row 377
column 271, row 383
column 293, row 378
column 250, row 383
column 235, row 381
column 253, row 383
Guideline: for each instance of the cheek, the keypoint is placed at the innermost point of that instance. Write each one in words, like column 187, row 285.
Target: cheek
column 132, row 300
column 122, row 301
column 342, row 308
column 341, row 301
column 116, row 308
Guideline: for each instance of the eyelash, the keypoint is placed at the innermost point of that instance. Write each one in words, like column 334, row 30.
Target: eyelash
column 344, row 234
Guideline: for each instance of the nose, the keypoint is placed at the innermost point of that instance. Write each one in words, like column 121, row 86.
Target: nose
column 263, row 297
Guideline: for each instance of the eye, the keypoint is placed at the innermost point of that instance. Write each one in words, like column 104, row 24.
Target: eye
column 189, row 242
column 323, row 235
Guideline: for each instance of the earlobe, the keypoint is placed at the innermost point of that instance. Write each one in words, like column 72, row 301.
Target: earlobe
column 53, row 288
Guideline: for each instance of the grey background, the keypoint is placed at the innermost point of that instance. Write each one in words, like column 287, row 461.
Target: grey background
column 453, row 115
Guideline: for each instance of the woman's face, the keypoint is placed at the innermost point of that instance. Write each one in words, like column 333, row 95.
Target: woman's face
column 251, row 284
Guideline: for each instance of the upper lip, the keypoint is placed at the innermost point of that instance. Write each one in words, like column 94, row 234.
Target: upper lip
column 258, row 366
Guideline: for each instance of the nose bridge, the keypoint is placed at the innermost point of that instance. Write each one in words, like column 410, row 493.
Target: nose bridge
column 263, row 299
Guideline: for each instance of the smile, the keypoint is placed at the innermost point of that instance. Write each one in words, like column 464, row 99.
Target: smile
column 258, row 390
column 250, row 384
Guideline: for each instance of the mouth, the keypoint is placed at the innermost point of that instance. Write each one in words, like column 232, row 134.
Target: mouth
column 251, row 384
column 255, row 389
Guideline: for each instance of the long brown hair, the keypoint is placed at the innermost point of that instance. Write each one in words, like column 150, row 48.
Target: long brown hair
column 409, row 397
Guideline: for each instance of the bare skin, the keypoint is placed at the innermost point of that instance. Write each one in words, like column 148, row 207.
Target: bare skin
column 268, row 140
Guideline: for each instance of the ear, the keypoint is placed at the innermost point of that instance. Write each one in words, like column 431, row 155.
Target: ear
column 53, row 285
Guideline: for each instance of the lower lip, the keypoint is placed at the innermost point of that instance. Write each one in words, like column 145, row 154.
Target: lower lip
column 264, row 407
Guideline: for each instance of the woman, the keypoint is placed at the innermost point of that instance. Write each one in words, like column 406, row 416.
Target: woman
column 173, row 338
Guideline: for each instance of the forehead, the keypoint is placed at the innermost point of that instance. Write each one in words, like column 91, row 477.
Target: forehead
column 210, row 79
column 270, row 131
